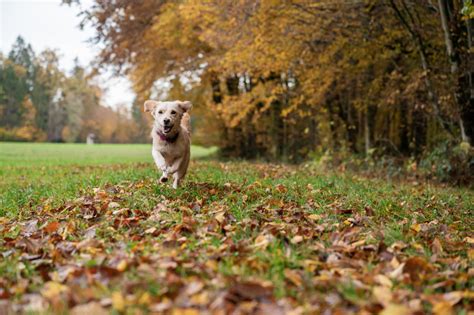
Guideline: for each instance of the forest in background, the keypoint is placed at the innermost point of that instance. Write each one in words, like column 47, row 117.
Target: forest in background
column 282, row 80
column 41, row 102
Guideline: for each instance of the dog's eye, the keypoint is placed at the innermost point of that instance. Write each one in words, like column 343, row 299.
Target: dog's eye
column 173, row 112
column 160, row 112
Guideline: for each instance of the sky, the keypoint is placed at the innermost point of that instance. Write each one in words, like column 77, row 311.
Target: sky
column 48, row 24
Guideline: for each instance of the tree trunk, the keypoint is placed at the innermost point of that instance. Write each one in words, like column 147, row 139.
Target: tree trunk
column 367, row 131
column 452, row 28
column 421, row 47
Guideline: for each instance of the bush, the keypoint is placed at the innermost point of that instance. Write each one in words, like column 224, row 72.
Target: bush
column 446, row 163
column 449, row 162
column 22, row 134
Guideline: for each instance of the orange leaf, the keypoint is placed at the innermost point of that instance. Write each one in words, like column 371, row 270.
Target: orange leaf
column 52, row 227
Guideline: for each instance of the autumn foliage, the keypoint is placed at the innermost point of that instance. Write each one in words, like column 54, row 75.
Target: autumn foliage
column 282, row 79
column 41, row 102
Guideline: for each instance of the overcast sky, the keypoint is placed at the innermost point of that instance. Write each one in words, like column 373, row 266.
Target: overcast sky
column 48, row 24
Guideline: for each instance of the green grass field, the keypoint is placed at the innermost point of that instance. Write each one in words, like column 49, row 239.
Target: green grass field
column 88, row 228
column 31, row 172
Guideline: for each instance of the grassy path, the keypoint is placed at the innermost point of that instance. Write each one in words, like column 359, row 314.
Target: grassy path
column 237, row 237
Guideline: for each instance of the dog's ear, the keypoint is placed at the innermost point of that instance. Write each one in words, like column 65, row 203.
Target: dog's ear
column 150, row 106
column 185, row 106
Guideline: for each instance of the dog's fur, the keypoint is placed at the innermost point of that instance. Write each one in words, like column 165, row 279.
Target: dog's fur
column 171, row 135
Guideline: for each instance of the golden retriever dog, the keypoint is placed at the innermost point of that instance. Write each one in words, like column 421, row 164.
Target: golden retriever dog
column 171, row 135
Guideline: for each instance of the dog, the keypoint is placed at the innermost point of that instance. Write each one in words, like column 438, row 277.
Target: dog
column 171, row 134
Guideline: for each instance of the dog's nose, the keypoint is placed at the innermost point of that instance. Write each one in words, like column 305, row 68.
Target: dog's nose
column 166, row 121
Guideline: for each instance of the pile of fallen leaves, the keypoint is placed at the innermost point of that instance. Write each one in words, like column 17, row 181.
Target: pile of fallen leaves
column 231, row 248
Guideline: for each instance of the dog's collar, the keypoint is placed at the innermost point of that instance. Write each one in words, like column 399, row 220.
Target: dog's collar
column 167, row 139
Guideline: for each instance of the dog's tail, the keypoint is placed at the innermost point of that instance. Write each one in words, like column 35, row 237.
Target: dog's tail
column 186, row 122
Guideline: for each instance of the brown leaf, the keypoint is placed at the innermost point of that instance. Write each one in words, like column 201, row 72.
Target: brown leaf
column 369, row 211
column 32, row 246
column 294, row 277
column 248, row 291
column 436, row 246
column 91, row 308
column 417, row 268
column 52, row 227
column 344, row 211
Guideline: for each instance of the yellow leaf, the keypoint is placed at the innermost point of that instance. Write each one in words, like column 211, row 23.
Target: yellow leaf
column 185, row 311
column 470, row 254
column 314, row 217
column 442, row 308
column 145, row 299
column 395, row 309
column 53, row 289
column 415, row 228
column 122, row 265
column 118, row 301
column 220, row 216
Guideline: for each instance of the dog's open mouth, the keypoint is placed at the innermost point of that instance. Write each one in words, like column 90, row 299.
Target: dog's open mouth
column 167, row 129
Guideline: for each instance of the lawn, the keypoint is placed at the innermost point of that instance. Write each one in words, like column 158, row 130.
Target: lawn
column 88, row 229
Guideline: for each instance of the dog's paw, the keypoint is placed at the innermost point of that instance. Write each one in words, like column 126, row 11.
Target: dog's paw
column 163, row 179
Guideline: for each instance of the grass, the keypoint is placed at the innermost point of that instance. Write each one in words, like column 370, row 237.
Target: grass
column 318, row 240
column 14, row 154
column 31, row 172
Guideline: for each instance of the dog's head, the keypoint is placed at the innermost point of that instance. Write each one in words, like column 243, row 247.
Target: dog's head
column 167, row 114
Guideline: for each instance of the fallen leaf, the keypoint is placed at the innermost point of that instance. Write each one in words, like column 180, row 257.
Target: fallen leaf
column 262, row 241
column 395, row 309
column 383, row 280
column 436, row 246
column 184, row 311
column 415, row 228
column 91, row 308
column 52, row 227
column 122, row 265
column 383, row 295
column 297, row 239
column 118, row 301
column 53, row 289
column 417, row 268
column 113, row 205
column 315, row 217
column 220, row 216
column 293, row 276
column 443, row 308
column 248, row 291
column 145, row 299
column 470, row 254
column 150, row 230
column 469, row 240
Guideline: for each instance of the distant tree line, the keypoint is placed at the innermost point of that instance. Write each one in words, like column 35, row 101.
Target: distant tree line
column 40, row 102
column 282, row 79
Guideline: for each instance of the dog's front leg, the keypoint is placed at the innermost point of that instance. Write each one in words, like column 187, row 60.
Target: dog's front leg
column 173, row 169
column 161, row 164
column 176, row 180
